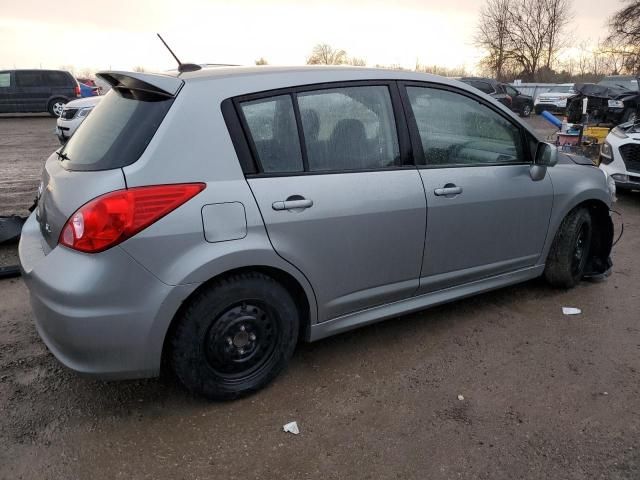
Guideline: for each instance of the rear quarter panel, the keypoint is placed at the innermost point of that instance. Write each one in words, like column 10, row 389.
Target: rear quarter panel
column 193, row 145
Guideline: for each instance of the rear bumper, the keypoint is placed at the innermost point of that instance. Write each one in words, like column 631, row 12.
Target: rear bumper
column 101, row 314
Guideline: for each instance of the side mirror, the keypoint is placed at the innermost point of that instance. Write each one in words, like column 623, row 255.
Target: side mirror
column 546, row 155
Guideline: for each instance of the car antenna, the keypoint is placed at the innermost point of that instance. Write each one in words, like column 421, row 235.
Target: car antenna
column 182, row 67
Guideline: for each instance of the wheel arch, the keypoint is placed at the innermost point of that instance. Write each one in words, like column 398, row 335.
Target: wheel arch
column 602, row 231
column 306, row 306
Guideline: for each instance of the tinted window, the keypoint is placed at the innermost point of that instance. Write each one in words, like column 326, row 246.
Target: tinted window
column 28, row 79
column 482, row 86
column 57, row 79
column 117, row 132
column 5, row 79
column 457, row 130
column 511, row 91
column 272, row 125
column 349, row 128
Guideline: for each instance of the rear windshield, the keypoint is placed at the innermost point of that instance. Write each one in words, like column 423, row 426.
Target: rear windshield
column 117, row 131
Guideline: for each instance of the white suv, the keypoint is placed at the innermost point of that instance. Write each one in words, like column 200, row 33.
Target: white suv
column 620, row 155
column 73, row 115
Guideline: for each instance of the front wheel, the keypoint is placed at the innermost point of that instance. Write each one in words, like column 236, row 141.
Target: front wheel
column 235, row 337
column 525, row 111
column 570, row 250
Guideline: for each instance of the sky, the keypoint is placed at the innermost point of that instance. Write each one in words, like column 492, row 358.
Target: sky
column 120, row 34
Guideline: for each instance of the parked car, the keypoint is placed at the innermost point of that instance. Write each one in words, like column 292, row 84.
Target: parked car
column 620, row 155
column 610, row 101
column 35, row 91
column 509, row 96
column 210, row 220
column 555, row 100
column 73, row 114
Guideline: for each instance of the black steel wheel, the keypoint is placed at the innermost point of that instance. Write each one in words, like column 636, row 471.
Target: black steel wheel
column 235, row 336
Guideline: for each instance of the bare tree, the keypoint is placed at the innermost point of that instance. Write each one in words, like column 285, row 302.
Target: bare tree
column 261, row 61
column 492, row 35
column 356, row 61
column 624, row 36
column 522, row 36
column 139, row 68
column 324, row 54
column 558, row 15
column 527, row 33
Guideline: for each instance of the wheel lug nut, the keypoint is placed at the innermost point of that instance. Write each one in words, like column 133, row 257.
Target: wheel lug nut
column 229, row 341
column 252, row 337
column 241, row 351
column 242, row 328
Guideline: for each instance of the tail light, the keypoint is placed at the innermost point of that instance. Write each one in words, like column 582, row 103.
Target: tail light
column 78, row 92
column 110, row 219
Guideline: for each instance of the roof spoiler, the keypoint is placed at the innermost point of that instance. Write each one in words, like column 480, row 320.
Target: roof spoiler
column 145, row 82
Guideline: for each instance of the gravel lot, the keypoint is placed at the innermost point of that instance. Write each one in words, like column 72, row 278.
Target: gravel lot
column 545, row 395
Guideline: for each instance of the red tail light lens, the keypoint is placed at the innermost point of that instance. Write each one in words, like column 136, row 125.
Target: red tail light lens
column 112, row 218
column 78, row 92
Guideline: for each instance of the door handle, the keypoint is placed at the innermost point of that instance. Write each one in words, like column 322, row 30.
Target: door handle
column 292, row 204
column 448, row 190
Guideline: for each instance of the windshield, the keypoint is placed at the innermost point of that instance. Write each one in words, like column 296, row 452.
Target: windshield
column 117, row 131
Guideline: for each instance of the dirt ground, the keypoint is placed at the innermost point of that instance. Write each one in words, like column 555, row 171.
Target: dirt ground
column 546, row 396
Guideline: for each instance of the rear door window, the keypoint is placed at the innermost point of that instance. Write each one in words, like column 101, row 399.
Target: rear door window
column 483, row 86
column 57, row 79
column 28, row 79
column 272, row 126
column 350, row 128
column 117, row 132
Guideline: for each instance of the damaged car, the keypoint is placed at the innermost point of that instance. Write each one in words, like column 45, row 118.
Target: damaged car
column 620, row 156
column 207, row 221
column 609, row 101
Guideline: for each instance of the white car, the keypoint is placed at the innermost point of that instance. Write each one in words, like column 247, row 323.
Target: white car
column 73, row 115
column 555, row 100
column 620, row 155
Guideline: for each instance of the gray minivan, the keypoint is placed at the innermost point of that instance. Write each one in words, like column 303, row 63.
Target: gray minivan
column 208, row 221
column 35, row 91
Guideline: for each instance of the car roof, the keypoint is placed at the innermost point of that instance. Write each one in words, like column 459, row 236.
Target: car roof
column 35, row 70
column 238, row 81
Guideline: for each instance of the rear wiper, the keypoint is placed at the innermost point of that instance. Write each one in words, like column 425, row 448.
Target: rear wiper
column 62, row 155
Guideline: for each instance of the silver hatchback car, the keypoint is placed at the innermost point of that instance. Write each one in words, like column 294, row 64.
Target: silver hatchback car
column 210, row 220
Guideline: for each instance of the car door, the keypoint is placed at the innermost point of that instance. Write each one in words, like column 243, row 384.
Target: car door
column 31, row 94
column 485, row 214
column 336, row 199
column 7, row 94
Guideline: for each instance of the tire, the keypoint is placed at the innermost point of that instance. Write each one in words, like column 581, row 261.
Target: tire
column 234, row 337
column 56, row 106
column 570, row 250
column 526, row 109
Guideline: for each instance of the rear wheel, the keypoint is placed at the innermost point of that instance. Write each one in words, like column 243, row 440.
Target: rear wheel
column 570, row 250
column 235, row 337
column 56, row 106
